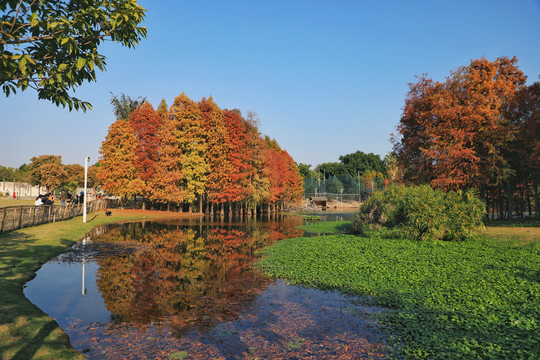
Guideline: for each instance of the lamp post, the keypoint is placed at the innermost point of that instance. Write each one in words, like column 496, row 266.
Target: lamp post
column 86, row 160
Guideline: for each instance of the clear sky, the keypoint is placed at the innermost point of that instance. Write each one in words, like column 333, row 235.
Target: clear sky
column 327, row 77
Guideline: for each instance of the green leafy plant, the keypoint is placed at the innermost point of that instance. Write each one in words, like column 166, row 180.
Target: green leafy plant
column 449, row 300
column 422, row 213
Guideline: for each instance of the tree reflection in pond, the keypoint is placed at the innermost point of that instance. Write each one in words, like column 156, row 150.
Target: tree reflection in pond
column 191, row 277
column 166, row 289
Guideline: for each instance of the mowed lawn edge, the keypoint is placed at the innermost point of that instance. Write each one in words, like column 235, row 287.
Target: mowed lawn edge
column 478, row 299
column 25, row 331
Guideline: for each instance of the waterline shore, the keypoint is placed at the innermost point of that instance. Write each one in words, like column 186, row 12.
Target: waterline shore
column 25, row 331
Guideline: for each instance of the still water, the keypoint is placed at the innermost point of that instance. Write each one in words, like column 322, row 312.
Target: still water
column 186, row 288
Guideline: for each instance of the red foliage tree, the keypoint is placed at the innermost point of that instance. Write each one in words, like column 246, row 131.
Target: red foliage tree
column 146, row 123
column 239, row 157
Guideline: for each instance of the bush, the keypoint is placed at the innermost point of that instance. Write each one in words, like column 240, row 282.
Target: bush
column 422, row 213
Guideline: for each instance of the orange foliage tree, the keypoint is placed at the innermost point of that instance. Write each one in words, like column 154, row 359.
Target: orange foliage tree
column 453, row 134
column 195, row 150
column 117, row 171
column 478, row 129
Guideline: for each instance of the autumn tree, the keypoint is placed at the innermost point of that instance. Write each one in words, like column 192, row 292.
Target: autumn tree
column 117, row 170
column 146, row 123
column 37, row 164
column 167, row 183
column 193, row 144
column 217, row 150
column 293, row 182
column 259, row 182
column 52, row 46
column 239, row 157
column 163, row 111
column 75, row 177
column 453, row 134
column 52, row 175
column 284, row 177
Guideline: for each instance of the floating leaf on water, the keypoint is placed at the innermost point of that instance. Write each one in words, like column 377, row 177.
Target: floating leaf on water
column 178, row 355
column 228, row 331
column 294, row 345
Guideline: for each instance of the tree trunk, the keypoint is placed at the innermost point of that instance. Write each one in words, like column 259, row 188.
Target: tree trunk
column 535, row 189
column 509, row 196
column 528, row 195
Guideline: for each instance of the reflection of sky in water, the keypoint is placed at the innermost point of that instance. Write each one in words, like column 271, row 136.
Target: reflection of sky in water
column 57, row 289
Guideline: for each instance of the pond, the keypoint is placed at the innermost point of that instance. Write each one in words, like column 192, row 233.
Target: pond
column 186, row 288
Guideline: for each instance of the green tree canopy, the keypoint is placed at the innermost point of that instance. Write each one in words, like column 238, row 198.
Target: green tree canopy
column 331, row 169
column 358, row 162
column 304, row 170
column 51, row 46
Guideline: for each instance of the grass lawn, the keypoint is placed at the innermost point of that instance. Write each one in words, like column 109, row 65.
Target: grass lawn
column 5, row 202
column 25, row 331
column 472, row 300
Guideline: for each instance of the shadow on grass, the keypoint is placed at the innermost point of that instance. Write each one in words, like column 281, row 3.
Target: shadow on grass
column 525, row 222
column 24, row 329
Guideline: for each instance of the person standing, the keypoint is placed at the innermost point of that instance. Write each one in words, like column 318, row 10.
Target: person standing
column 63, row 198
column 14, row 195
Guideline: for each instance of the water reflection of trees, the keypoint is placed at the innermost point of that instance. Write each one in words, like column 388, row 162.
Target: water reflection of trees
column 189, row 277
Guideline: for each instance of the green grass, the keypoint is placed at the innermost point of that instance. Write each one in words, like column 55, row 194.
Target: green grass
column 25, row 331
column 470, row 300
column 5, row 202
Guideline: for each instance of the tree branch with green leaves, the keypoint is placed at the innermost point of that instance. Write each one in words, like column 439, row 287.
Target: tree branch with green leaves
column 51, row 46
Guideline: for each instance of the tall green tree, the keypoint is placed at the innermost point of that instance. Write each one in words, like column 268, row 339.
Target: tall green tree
column 51, row 46
column 124, row 105
column 358, row 162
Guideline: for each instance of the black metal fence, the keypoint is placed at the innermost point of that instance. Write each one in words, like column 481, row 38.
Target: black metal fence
column 17, row 217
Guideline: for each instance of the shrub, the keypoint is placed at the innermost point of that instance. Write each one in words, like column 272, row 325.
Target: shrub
column 422, row 213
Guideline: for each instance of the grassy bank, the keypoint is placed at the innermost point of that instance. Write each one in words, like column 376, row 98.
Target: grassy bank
column 470, row 300
column 5, row 202
column 25, row 331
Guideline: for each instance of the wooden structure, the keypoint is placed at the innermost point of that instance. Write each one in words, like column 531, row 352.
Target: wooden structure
column 320, row 201
column 17, row 217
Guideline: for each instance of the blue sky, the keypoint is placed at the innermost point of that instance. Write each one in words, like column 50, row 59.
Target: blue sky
column 327, row 78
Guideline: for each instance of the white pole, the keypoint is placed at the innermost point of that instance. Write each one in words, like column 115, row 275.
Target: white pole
column 86, row 159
